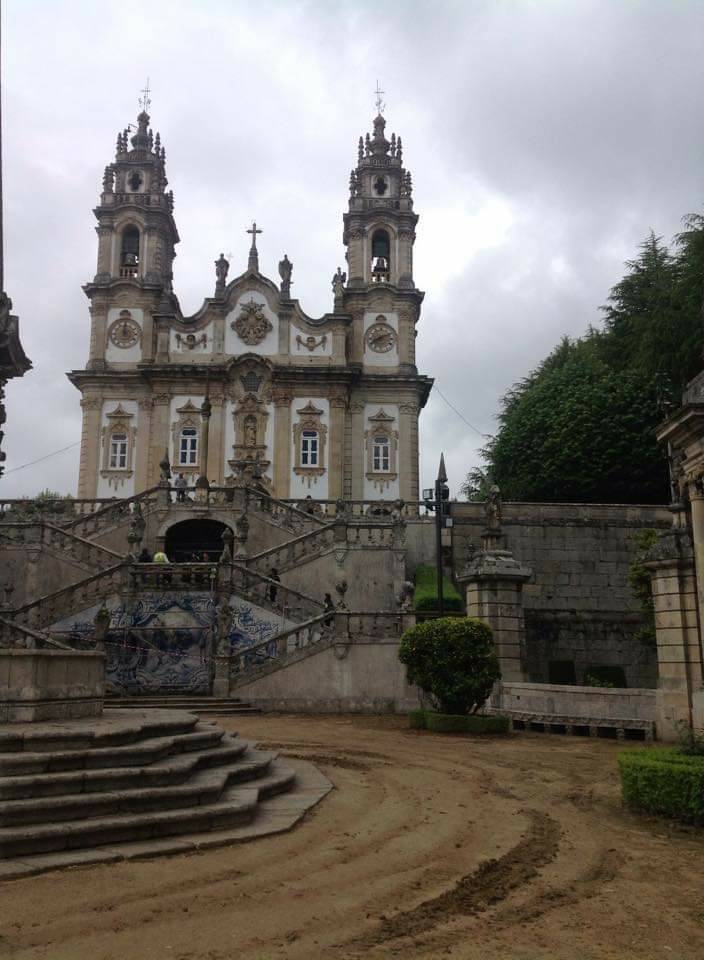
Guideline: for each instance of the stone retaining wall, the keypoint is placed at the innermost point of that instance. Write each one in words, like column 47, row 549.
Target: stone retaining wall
column 50, row 684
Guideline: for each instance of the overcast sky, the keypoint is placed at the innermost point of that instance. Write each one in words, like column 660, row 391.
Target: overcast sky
column 545, row 140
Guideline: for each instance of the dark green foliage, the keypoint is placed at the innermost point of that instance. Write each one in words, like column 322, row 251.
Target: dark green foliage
column 665, row 782
column 581, row 426
column 426, row 591
column 641, row 585
column 691, row 740
column 476, row 723
column 453, row 661
column 446, row 723
column 605, row 675
column 416, row 719
column 579, row 431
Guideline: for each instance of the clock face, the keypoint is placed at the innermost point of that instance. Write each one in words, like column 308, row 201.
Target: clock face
column 124, row 332
column 381, row 337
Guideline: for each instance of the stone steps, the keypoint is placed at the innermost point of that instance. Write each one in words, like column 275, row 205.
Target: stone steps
column 146, row 752
column 120, row 780
column 163, row 773
column 212, row 706
column 204, row 787
column 236, row 805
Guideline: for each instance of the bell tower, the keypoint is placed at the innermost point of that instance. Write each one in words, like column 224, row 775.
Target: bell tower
column 379, row 226
column 137, row 234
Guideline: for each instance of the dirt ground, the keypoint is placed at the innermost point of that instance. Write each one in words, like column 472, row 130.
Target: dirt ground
column 430, row 846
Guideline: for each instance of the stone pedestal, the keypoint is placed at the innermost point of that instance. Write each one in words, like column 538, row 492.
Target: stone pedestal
column 494, row 583
column 37, row 685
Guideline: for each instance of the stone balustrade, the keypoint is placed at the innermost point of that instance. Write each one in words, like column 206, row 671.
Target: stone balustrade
column 41, row 533
column 71, row 599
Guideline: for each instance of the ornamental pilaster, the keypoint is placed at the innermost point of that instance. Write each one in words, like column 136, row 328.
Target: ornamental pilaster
column 90, row 447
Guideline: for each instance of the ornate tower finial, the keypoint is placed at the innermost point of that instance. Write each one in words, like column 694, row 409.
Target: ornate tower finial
column 253, row 262
column 145, row 100
column 380, row 105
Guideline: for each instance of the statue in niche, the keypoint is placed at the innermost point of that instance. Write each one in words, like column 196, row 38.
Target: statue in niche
column 250, row 432
column 493, row 509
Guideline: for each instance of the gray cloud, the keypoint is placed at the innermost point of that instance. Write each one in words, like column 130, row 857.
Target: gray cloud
column 544, row 139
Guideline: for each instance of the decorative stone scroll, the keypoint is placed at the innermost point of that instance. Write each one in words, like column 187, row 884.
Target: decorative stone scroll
column 311, row 343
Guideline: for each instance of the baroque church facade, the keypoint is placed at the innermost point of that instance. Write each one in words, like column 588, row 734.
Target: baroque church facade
column 250, row 386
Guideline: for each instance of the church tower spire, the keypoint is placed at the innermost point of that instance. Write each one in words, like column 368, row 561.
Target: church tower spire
column 136, row 228
column 379, row 226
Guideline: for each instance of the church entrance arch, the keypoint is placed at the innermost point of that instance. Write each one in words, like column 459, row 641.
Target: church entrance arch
column 195, row 540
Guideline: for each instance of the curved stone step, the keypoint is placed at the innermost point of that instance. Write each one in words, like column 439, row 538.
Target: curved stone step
column 236, row 806
column 169, row 771
column 116, row 728
column 145, row 752
column 204, row 787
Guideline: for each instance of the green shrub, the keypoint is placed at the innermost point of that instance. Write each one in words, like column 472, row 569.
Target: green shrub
column 476, row 723
column 491, row 723
column 425, row 596
column 605, row 675
column 453, row 661
column 446, row 723
column 663, row 781
column 416, row 719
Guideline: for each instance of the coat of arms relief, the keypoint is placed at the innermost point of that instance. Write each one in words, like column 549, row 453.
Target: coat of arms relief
column 252, row 325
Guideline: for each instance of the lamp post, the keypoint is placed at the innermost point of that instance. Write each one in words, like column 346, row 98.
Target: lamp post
column 205, row 410
column 437, row 503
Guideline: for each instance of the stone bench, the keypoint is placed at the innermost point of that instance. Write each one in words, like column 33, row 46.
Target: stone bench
column 623, row 727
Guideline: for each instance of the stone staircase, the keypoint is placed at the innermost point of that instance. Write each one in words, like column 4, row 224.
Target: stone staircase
column 210, row 706
column 128, row 785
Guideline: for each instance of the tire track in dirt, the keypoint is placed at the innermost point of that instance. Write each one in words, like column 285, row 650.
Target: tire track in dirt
column 490, row 883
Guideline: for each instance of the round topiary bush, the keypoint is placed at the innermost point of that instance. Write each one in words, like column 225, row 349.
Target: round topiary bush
column 453, row 661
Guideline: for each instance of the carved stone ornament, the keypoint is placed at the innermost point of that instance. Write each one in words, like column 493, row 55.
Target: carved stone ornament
column 124, row 332
column 381, row 336
column 311, row 343
column 251, row 325
column 190, row 341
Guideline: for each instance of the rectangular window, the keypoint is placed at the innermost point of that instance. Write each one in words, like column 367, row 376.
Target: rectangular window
column 188, row 448
column 118, row 451
column 381, row 456
column 309, row 448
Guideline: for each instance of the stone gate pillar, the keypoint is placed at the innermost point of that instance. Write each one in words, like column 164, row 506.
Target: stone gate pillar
column 494, row 583
column 680, row 698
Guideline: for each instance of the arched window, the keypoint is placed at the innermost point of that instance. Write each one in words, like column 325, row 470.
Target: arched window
column 309, row 448
column 129, row 252
column 118, row 451
column 188, row 447
column 381, row 454
column 381, row 257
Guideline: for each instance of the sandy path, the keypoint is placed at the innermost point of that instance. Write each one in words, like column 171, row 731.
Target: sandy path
column 430, row 847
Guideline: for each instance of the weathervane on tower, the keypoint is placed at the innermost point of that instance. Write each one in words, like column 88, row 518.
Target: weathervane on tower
column 380, row 105
column 145, row 100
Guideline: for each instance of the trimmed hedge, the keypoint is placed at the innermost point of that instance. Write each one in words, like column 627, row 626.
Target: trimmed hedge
column 426, row 591
column 474, row 723
column 663, row 781
column 416, row 719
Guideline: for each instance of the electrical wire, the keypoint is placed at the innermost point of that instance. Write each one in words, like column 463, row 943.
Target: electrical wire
column 41, row 459
column 485, row 436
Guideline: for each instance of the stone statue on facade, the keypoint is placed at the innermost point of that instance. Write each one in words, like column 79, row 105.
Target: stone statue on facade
column 405, row 597
column 285, row 268
column 341, row 590
column 338, row 284
column 164, row 470
column 221, row 267
column 223, row 622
